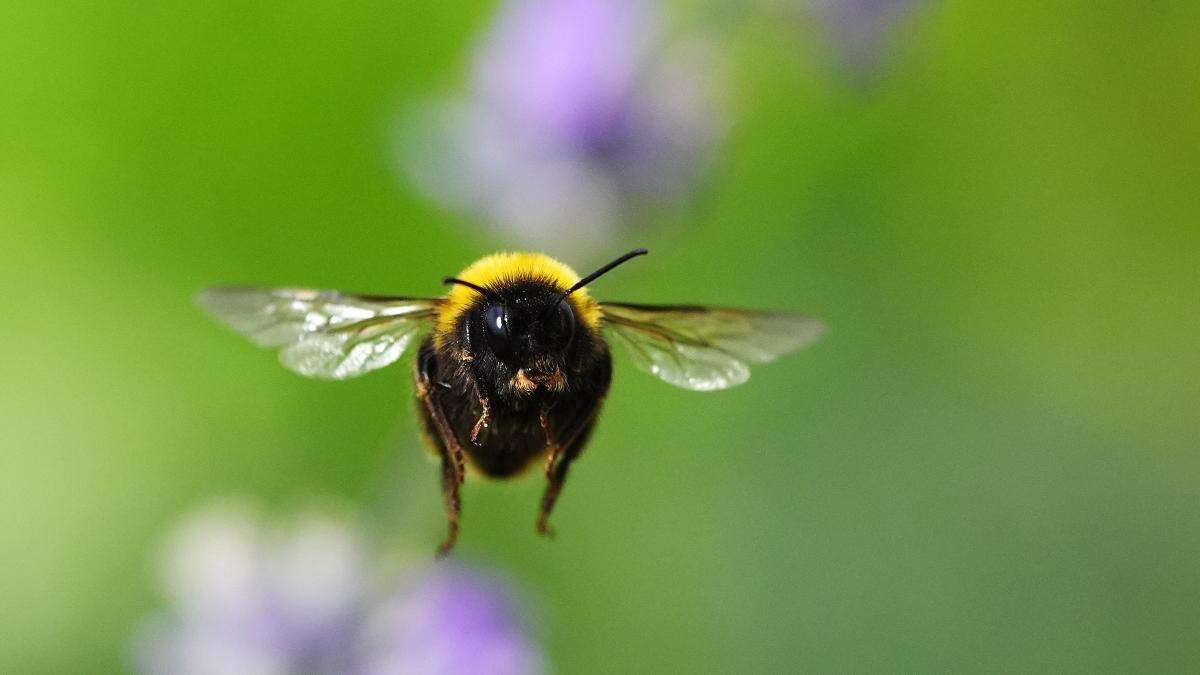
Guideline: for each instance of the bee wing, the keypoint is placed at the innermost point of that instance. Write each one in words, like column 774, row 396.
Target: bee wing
column 322, row 334
column 705, row 348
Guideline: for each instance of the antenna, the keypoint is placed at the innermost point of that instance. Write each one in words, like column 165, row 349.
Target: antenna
column 595, row 275
column 490, row 295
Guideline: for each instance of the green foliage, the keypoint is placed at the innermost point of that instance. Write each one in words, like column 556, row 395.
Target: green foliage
column 989, row 462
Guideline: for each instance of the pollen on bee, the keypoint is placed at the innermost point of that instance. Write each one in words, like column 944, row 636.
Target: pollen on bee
column 522, row 382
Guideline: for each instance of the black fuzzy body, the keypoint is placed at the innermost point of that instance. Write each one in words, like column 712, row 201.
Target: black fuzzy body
column 463, row 376
column 514, row 435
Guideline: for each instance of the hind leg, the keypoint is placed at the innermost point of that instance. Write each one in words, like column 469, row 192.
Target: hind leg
column 557, row 466
column 442, row 438
column 453, row 501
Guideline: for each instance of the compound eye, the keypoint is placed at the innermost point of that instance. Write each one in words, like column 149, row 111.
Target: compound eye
column 499, row 337
column 565, row 320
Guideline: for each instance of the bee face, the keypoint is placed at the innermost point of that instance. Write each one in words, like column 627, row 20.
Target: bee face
column 524, row 338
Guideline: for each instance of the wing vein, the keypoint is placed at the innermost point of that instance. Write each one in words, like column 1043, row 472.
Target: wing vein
column 323, row 334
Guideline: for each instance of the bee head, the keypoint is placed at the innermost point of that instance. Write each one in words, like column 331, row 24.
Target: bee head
column 525, row 333
column 524, row 336
column 526, row 330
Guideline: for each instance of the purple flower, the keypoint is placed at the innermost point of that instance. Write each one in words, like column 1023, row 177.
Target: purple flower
column 310, row 598
column 418, row 629
column 578, row 113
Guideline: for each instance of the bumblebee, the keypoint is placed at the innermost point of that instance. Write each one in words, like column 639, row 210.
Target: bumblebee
column 513, row 363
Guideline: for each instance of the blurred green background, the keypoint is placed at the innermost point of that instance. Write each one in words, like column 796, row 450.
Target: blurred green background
column 990, row 462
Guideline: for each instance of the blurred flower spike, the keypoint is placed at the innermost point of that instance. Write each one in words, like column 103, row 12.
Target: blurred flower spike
column 861, row 31
column 310, row 597
column 579, row 115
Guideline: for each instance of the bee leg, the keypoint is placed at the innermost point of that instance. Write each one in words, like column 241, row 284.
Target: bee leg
column 548, row 499
column 442, row 436
column 554, row 447
column 482, row 422
column 451, row 449
column 453, row 472
column 450, row 494
column 556, row 474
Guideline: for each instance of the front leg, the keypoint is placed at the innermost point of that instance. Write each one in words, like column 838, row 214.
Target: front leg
column 554, row 448
column 484, row 418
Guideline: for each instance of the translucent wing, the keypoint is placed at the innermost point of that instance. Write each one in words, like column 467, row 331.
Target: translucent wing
column 705, row 348
column 322, row 334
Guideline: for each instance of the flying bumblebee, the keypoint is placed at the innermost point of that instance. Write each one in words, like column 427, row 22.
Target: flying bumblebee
column 513, row 363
